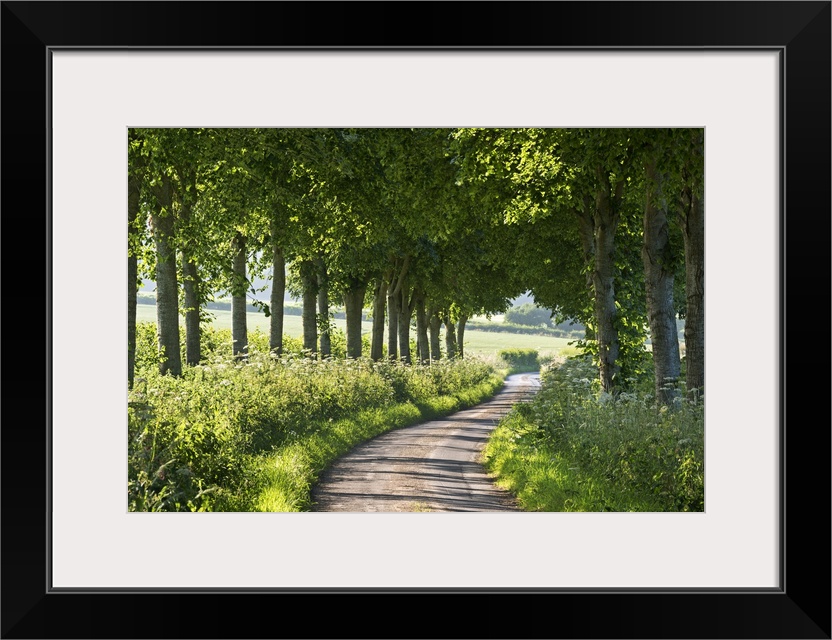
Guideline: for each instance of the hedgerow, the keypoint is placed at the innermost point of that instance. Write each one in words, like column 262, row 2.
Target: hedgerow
column 195, row 443
column 574, row 449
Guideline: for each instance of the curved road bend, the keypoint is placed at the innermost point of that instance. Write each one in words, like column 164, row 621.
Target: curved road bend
column 433, row 466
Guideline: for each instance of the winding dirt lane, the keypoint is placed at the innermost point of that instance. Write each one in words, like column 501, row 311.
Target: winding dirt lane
column 433, row 466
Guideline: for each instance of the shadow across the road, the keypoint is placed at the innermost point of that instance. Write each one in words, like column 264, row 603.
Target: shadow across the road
column 432, row 466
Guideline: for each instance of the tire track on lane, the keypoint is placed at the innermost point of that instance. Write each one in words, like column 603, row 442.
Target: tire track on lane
column 432, row 466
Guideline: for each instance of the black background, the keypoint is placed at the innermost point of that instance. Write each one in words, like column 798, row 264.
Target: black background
column 801, row 609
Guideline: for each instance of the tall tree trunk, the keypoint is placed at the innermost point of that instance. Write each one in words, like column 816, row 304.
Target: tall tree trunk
column 605, row 219
column 354, row 303
column 133, row 193
column 659, row 275
column 398, row 274
column 450, row 337
column 379, row 304
column 309, row 281
column 605, row 312
column 393, row 304
column 460, row 334
column 422, row 343
column 239, row 329
column 167, row 287
column 434, row 324
column 190, row 282
column 695, row 290
column 323, row 309
column 278, row 293
column 405, row 315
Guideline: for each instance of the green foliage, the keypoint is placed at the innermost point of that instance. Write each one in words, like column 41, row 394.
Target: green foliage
column 196, row 443
column 285, row 476
column 464, row 218
column 216, row 344
column 520, row 359
column 573, row 449
column 510, row 327
column 146, row 346
column 630, row 299
column 529, row 315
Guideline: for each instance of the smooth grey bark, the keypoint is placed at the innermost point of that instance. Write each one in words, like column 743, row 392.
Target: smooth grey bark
column 605, row 311
column 167, row 288
column 323, row 309
column 422, row 342
column 133, row 193
column 379, row 305
column 354, row 303
column 309, row 282
column 405, row 315
column 434, row 325
column 190, row 276
column 586, row 232
column 190, row 282
column 450, row 337
column 394, row 287
column 239, row 328
column 597, row 222
column 460, row 335
column 597, row 226
column 393, row 303
column 659, row 276
column 694, row 233
column 278, row 291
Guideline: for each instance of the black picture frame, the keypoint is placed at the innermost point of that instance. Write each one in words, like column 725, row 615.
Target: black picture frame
column 800, row 608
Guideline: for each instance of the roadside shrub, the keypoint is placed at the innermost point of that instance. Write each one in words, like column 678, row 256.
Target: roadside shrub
column 530, row 315
column 590, row 451
column 520, row 358
column 193, row 441
column 216, row 344
column 146, row 346
column 452, row 376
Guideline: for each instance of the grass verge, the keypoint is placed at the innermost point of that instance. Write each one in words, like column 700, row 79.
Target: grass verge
column 570, row 449
column 286, row 477
column 243, row 435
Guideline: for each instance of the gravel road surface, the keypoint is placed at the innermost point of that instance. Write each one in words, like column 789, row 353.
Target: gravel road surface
column 433, row 466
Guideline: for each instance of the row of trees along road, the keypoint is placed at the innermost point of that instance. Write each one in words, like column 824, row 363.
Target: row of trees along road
column 606, row 226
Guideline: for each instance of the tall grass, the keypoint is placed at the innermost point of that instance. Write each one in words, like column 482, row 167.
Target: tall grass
column 573, row 449
column 250, row 435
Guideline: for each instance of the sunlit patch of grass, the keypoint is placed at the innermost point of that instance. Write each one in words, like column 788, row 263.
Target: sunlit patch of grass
column 288, row 474
column 572, row 449
column 282, row 477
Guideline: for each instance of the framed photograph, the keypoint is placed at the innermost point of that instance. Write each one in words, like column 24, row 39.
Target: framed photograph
column 755, row 75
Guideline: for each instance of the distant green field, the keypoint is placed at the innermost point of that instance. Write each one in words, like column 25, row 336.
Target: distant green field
column 484, row 342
